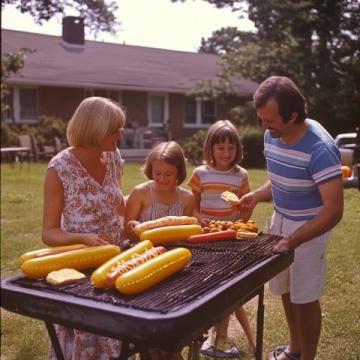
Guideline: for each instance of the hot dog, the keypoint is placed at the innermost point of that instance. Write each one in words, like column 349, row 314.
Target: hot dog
column 214, row 236
column 153, row 271
column 49, row 251
column 164, row 221
column 169, row 234
column 99, row 276
column 80, row 259
column 133, row 263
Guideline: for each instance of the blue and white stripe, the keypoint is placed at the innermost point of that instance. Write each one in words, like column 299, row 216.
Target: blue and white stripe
column 295, row 171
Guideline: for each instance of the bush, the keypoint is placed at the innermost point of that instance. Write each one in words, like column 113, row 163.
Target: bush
column 193, row 147
column 253, row 146
column 252, row 140
column 44, row 131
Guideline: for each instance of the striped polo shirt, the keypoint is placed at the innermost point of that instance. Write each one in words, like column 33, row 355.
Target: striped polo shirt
column 295, row 171
column 210, row 183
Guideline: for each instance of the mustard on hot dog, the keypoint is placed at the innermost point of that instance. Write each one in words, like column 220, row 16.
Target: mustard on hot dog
column 99, row 277
column 153, row 271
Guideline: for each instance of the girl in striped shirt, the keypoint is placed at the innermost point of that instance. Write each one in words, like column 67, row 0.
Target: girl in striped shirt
column 221, row 172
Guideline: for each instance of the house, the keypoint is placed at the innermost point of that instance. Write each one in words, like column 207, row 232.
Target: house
column 152, row 84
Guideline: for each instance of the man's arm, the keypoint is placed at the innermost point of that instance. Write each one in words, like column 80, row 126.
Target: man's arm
column 333, row 203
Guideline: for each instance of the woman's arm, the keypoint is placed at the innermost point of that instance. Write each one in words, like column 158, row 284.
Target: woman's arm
column 52, row 234
column 134, row 205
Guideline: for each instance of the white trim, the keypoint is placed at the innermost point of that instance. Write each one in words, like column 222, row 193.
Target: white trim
column 166, row 109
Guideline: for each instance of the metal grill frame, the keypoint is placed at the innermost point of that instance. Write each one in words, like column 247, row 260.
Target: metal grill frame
column 169, row 331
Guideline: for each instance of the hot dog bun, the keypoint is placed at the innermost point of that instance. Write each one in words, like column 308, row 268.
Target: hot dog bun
column 165, row 221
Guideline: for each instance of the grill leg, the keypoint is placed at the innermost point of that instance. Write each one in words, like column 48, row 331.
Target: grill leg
column 54, row 340
column 260, row 325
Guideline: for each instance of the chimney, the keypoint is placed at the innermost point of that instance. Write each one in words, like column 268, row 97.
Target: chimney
column 73, row 33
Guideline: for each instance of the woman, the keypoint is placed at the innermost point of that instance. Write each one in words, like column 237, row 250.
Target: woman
column 83, row 202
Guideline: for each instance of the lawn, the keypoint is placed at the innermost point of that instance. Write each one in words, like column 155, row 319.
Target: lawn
column 25, row 338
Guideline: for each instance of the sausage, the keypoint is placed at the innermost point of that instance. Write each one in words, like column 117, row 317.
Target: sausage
column 165, row 221
column 133, row 263
column 49, row 251
column 99, row 276
column 169, row 234
column 153, row 271
column 214, row 236
column 80, row 259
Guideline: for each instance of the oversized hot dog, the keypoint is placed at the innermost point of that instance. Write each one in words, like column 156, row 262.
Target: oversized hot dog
column 169, row 234
column 49, row 251
column 99, row 276
column 214, row 236
column 165, row 221
column 153, row 271
column 133, row 263
column 79, row 259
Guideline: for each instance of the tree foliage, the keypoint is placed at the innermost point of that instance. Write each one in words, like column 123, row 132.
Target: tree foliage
column 99, row 15
column 315, row 42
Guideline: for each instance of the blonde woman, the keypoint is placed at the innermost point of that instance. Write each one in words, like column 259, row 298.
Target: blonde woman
column 83, row 202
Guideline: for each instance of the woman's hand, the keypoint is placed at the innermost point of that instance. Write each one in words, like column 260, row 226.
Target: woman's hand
column 93, row 239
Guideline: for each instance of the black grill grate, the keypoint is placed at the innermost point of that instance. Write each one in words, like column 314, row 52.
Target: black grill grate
column 212, row 264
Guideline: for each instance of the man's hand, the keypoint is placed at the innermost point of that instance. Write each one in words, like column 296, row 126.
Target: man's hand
column 282, row 247
column 247, row 202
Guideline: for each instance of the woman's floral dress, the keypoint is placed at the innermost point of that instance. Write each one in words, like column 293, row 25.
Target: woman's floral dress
column 89, row 207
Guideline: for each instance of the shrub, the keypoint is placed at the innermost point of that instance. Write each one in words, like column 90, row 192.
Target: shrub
column 193, row 147
column 44, row 131
column 252, row 139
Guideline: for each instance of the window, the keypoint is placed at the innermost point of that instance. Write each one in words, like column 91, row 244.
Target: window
column 208, row 113
column 23, row 105
column 199, row 113
column 106, row 93
column 158, row 110
column 28, row 104
column 190, row 111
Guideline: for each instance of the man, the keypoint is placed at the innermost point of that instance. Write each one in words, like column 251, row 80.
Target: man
column 305, row 184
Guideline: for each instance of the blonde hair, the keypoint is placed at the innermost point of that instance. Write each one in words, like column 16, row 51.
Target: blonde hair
column 170, row 152
column 92, row 120
column 217, row 133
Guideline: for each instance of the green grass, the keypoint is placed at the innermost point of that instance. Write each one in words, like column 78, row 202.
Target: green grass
column 21, row 212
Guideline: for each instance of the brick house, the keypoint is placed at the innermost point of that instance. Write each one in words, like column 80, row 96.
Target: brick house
column 151, row 84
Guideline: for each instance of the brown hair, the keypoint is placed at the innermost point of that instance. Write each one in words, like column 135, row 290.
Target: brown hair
column 92, row 120
column 217, row 133
column 287, row 95
column 170, row 152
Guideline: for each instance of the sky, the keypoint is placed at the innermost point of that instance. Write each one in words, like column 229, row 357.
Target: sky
column 151, row 23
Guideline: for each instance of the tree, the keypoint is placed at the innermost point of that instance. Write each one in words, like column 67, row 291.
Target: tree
column 315, row 42
column 98, row 14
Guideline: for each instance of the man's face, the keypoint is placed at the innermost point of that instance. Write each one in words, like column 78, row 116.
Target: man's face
column 272, row 120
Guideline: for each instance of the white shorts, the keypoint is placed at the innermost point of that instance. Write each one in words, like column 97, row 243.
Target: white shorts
column 305, row 277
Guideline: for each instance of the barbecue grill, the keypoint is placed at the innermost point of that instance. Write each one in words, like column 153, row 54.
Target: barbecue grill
column 221, row 277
